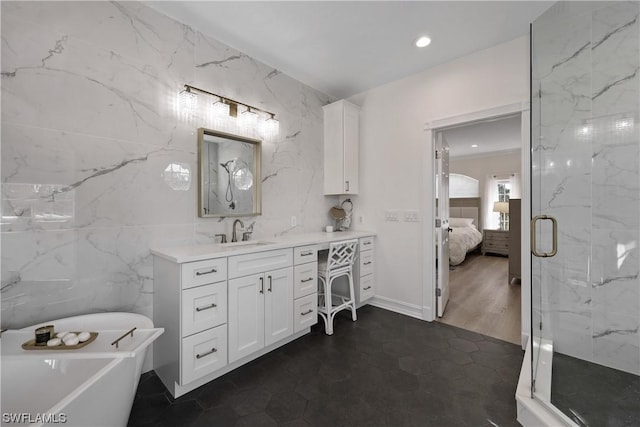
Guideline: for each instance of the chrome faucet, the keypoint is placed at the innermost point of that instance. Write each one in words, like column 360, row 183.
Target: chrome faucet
column 234, row 236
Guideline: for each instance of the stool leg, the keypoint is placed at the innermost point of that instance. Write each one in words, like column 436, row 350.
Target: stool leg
column 354, row 316
column 328, row 302
column 324, row 296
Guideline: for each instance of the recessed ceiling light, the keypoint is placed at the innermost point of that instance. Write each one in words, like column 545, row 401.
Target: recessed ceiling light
column 474, row 145
column 423, row 41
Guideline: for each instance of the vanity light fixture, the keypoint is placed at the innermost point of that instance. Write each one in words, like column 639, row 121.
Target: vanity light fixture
column 474, row 145
column 224, row 107
column 271, row 126
column 423, row 41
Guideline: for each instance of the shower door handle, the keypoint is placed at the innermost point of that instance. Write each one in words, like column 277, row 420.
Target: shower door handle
column 554, row 231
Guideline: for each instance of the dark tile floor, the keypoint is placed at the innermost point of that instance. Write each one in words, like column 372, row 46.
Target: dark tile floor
column 594, row 395
column 386, row 369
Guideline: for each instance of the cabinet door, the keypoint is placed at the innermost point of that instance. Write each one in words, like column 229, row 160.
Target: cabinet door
column 278, row 307
column 246, row 315
column 333, row 148
column 351, row 148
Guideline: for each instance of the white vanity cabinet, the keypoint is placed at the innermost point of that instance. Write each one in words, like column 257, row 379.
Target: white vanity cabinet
column 305, row 287
column 190, row 302
column 364, row 270
column 260, row 301
column 341, row 148
column 223, row 306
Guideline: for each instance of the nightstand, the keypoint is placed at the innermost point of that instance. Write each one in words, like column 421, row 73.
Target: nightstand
column 495, row 241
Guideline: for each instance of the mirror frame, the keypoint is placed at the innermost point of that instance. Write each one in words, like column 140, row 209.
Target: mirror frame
column 257, row 172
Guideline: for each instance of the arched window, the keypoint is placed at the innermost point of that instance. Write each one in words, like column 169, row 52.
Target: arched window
column 463, row 186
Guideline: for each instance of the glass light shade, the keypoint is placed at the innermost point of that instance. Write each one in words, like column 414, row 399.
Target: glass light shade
column 247, row 121
column 219, row 114
column 188, row 102
column 270, row 127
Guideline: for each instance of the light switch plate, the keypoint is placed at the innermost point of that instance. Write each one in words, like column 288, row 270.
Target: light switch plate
column 391, row 215
column 411, row 216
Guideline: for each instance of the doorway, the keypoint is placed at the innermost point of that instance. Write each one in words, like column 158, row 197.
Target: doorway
column 478, row 179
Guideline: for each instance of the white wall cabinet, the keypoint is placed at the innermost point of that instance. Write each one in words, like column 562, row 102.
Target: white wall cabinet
column 341, row 148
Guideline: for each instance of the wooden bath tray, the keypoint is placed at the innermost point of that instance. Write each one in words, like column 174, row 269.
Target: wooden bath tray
column 31, row 344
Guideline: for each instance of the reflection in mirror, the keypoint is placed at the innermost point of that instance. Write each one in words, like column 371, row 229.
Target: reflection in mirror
column 229, row 174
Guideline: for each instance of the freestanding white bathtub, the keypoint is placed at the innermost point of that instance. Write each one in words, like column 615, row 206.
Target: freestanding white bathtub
column 93, row 386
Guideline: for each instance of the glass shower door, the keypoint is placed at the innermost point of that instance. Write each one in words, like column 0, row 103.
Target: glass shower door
column 585, row 163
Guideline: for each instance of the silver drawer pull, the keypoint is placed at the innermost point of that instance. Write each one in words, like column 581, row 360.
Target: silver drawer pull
column 367, row 288
column 306, row 280
column 306, row 312
column 367, row 263
column 206, row 307
column 200, row 356
column 366, row 243
column 202, row 273
column 306, row 254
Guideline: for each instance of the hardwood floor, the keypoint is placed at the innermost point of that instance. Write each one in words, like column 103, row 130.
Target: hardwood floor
column 482, row 300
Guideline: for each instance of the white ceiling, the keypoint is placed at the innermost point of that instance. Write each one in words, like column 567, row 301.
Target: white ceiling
column 491, row 136
column 346, row 47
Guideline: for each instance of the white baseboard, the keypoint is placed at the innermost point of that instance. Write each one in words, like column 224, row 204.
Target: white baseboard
column 400, row 307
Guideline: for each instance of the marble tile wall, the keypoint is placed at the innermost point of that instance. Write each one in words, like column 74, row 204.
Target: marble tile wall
column 585, row 172
column 89, row 130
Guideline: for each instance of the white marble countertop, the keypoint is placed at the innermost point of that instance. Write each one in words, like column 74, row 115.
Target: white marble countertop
column 192, row 253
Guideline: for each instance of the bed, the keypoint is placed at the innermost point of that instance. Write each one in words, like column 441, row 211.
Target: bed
column 464, row 220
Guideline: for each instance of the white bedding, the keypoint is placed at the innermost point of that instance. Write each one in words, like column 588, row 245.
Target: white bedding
column 461, row 241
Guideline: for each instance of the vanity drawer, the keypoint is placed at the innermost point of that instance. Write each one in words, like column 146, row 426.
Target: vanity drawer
column 203, row 354
column 259, row 262
column 305, row 312
column 203, row 272
column 204, row 307
column 366, row 263
column 366, row 243
column 305, row 279
column 303, row 254
column 367, row 289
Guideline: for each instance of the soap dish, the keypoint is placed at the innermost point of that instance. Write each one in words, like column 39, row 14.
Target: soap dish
column 31, row 344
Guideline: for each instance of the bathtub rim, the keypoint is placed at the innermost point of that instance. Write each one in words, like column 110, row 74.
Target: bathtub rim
column 95, row 316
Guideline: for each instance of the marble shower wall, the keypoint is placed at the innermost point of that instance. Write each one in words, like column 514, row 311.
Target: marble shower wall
column 585, row 172
column 89, row 130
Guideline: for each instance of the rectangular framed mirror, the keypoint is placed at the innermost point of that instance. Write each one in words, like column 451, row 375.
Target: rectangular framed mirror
column 229, row 175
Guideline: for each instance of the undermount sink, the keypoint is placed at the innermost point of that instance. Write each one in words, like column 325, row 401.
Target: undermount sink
column 246, row 244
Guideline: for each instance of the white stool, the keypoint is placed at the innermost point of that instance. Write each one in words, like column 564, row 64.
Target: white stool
column 339, row 263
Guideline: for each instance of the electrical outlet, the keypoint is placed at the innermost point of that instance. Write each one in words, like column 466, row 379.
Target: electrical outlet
column 294, row 221
column 361, row 219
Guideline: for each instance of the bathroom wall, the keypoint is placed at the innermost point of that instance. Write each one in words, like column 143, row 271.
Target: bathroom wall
column 393, row 155
column 89, row 128
column 585, row 173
